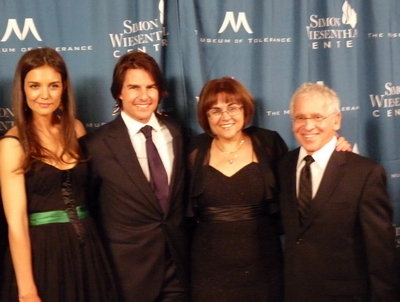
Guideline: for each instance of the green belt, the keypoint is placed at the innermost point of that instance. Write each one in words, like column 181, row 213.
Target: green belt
column 40, row 218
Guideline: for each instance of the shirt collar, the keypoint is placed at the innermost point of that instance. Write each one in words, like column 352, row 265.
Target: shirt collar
column 134, row 126
column 321, row 156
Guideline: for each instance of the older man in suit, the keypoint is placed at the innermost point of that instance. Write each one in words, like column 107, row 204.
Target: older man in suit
column 137, row 174
column 337, row 216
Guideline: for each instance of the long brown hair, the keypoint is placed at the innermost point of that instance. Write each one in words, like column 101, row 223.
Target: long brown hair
column 23, row 115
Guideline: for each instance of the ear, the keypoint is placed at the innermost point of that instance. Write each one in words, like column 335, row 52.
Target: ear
column 337, row 122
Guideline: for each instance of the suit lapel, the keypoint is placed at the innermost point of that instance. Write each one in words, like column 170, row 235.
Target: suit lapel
column 290, row 178
column 330, row 180
column 121, row 146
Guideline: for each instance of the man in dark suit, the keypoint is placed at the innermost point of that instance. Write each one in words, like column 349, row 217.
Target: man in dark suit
column 336, row 213
column 143, row 230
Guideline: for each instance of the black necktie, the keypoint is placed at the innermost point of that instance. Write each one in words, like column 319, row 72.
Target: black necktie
column 158, row 175
column 305, row 187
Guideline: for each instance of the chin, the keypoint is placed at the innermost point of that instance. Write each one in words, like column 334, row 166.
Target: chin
column 310, row 149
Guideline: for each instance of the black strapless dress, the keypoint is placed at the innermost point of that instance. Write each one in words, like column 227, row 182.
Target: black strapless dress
column 236, row 251
column 69, row 262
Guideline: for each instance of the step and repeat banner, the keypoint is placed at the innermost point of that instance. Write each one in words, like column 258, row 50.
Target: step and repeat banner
column 272, row 46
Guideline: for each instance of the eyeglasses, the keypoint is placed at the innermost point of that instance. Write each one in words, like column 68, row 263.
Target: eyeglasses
column 316, row 118
column 216, row 113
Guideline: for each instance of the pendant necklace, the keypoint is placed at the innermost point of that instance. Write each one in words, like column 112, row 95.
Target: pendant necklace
column 232, row 154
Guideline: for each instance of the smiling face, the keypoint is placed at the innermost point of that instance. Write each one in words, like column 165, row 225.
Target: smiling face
column 312, row 134
column 43, row 90
column 139, row 95
column 226, row 126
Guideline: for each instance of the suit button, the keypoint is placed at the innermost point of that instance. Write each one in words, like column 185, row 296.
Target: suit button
column 299, row 241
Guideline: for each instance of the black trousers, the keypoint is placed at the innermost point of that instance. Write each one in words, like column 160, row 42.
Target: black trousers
column 173, row 290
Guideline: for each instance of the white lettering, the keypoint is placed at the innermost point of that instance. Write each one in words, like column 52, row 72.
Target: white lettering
column 316, row 22
column 139, row 26
column 6, row 112
column 376, row 113
column 5, row 125
column 391, row 89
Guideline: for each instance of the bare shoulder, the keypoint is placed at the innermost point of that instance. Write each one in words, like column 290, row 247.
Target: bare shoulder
column 79, row 128
column 11, row 152
column 11, row 138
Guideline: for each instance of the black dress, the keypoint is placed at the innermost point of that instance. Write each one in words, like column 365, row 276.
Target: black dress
column 236, row 250
column 69, row 263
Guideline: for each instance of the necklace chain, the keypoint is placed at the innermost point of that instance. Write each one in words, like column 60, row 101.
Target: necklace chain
column 231, row 160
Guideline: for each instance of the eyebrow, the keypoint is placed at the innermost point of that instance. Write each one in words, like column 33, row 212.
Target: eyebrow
column 310, row 114
column 138, row 85
column 227, row 105
column 37, row 82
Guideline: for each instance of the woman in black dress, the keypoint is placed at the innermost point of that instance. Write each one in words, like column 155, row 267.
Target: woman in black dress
column 54, row 250
column 236, row 250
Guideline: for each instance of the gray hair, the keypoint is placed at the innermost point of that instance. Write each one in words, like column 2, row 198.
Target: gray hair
column 309, row 88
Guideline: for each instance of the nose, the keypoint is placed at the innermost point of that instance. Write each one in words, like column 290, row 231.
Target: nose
column 309, row 124
column 225, row 115
column 143, row 94
column 44, row 93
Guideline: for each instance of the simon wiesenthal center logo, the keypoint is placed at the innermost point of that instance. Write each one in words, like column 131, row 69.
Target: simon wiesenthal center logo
column 386, row 104
column 236, row 28
column 143, row 35
column 6, row 119
column 333, row 31
column 27, row 30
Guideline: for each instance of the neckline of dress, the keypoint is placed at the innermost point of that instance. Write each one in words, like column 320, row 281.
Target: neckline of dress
column 50, row 165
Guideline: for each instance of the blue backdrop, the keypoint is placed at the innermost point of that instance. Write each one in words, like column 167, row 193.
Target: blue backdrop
column 272, row 46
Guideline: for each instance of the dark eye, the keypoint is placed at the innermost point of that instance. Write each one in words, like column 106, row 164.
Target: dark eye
column 300, row 118
column 318, row 118
column 215, row 111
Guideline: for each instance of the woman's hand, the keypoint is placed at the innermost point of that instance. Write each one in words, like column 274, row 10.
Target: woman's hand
column 343, row 145
column 33, row 297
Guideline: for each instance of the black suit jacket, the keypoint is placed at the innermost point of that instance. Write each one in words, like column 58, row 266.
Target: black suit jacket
column 137, row 232
column 345, row 249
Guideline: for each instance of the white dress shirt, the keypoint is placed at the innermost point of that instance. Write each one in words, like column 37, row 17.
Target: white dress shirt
column 321, row 158
column 162, row 139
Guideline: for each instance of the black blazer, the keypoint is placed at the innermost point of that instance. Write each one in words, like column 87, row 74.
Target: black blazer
column 269, row 148
column 137, row 233
column 345, row 250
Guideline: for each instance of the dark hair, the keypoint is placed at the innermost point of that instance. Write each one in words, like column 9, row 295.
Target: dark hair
column 23, row 115
column 135, row 60
column 232, row 91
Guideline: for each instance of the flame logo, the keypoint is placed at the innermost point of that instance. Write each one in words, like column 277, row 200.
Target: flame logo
column 349, row 15
column 161, row 9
